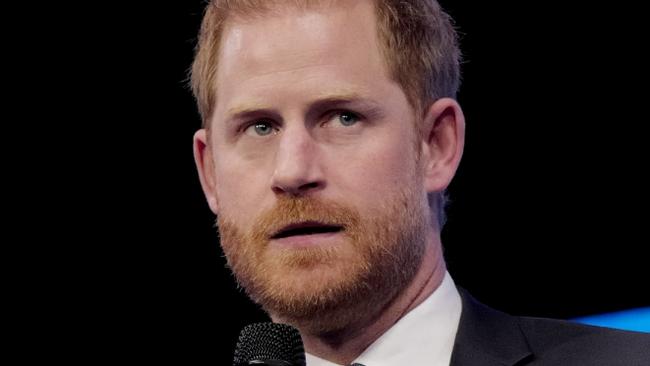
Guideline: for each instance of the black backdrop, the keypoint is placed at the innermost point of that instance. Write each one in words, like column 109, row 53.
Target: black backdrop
column 549, row 205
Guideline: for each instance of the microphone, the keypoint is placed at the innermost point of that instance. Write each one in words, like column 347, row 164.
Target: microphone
column 269, row 344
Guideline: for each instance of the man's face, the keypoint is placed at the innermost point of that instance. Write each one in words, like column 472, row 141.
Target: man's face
column 313, row 164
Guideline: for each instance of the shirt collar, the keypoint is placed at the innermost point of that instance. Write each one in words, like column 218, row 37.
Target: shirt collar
column 423, row 336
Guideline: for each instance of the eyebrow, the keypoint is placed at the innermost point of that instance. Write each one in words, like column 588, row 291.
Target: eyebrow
column 330, row 100
column 324, row 101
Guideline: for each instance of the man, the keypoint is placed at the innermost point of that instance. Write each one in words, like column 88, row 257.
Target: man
column 331, row 132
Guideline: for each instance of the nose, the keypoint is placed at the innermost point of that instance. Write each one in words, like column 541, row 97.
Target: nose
column 297, row 167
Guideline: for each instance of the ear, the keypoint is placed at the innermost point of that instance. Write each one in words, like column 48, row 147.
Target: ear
column 205, row 165
column 442, row 144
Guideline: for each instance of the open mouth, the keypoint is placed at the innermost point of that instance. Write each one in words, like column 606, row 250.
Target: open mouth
column 306, row 228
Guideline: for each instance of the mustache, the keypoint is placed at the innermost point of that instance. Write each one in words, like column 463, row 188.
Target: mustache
column 292, row 211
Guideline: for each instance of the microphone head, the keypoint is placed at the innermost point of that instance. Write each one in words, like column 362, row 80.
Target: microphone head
column 269, row 344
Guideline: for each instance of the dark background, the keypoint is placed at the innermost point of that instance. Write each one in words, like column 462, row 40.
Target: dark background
column 549, row 205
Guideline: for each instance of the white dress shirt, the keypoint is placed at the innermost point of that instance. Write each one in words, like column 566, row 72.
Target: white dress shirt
column 424, row 336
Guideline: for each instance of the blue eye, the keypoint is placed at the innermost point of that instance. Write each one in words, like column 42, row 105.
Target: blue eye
column 260, row 129
column 348, row 118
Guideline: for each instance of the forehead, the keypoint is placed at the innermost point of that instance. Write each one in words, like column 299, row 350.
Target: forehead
column 335, row 45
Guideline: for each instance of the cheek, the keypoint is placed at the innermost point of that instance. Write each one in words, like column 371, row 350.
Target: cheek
column 378, row 169
column 241, row 190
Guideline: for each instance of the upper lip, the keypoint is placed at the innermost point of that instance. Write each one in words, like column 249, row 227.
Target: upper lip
column 315, row 225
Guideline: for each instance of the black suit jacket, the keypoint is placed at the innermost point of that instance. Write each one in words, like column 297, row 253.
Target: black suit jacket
column 487, row 337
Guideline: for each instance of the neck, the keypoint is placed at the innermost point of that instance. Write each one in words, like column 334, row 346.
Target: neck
column 346, row 345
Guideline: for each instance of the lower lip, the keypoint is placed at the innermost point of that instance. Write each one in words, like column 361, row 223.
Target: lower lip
column 302, row 241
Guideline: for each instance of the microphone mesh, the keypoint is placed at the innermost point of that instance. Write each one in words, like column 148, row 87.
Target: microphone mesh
column 269, row 341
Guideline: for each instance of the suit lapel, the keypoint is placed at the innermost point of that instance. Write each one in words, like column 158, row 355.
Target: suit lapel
column 487, row 337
